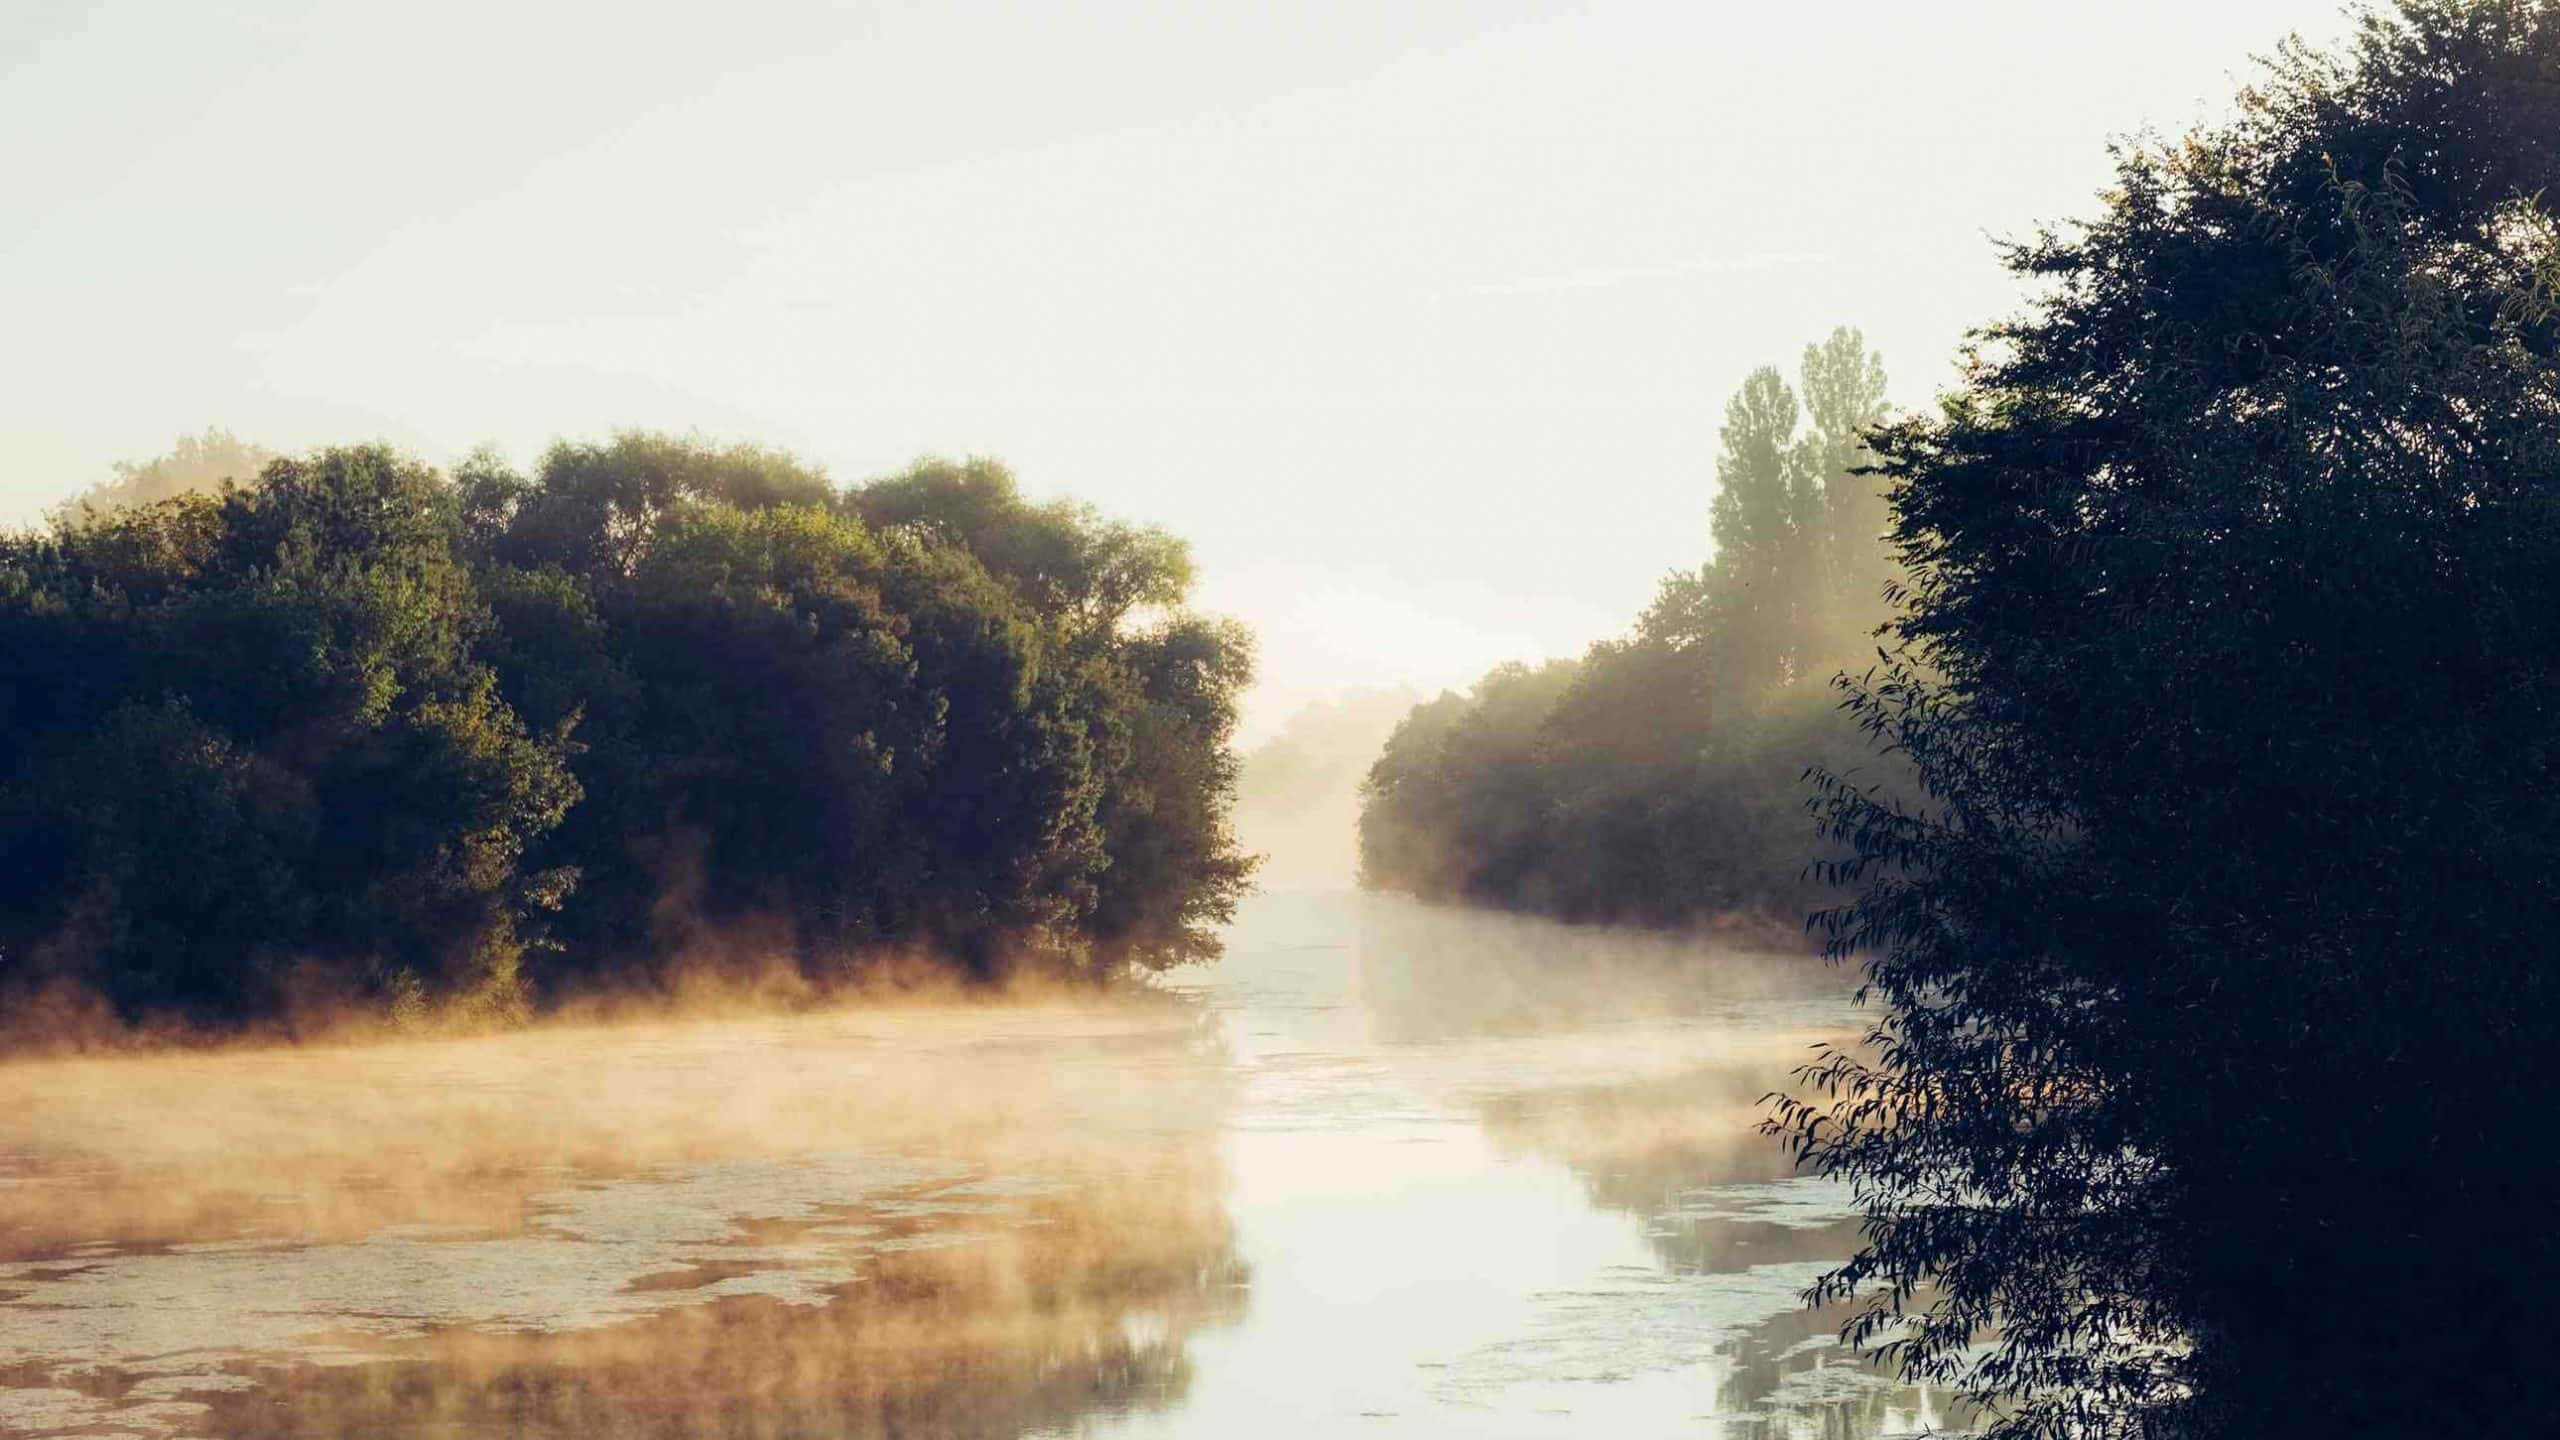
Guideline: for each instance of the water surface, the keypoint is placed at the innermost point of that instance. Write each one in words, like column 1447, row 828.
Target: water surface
column 1385, row 1170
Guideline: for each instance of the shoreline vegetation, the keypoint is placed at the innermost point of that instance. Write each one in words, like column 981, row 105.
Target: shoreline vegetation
column 358, row 738
column 1657, row 780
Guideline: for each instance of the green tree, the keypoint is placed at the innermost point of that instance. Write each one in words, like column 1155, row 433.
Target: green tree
column 597, row 508
column 1763, row 521
column 1174, row 870
column 1658, row 781
column 2209, row 959
column 252, row 761
column 357, row 732
column 1844, row 388
column 1075, row 568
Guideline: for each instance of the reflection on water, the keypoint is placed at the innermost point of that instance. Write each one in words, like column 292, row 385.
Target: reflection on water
column 1009, row 1325
column 1497, row 1177
column 1386, row 1169
column 967, row 1221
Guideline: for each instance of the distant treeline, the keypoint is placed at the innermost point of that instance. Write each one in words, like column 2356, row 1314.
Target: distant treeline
column 356, row 731
column 1298, row 794
column 1659, row 779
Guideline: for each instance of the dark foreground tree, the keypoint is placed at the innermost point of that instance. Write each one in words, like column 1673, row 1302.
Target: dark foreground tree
column 2215, row 968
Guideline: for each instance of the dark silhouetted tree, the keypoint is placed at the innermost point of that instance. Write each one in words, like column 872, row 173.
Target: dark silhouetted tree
column 250, row 753
column 2211, row 955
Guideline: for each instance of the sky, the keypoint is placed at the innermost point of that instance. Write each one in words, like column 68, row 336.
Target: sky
column 1417, row 320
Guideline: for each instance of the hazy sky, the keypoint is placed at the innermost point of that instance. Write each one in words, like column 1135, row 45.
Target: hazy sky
column 1417, row 319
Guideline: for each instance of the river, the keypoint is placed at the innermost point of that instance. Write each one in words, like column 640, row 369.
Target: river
column 1385, row 1170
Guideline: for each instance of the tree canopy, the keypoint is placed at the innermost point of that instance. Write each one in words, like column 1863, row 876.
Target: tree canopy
column 356, row 731
column 1657, row 779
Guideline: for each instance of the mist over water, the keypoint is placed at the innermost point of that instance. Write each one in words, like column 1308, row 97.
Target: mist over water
column 1298, row 793
column 1385, row 1168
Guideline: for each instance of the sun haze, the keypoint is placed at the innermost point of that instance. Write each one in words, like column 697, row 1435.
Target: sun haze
column 1414, row 318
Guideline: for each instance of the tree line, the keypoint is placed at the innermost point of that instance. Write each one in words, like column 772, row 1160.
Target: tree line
column 2213, row 947
column 356, row 731
column 1656, row 779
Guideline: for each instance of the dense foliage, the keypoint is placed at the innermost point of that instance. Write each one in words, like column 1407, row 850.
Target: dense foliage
column 1658, row 779
column 360, row 732
column 2216, row 961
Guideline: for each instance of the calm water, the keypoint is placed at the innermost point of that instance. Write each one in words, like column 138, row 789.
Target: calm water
column 1383, row 1171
